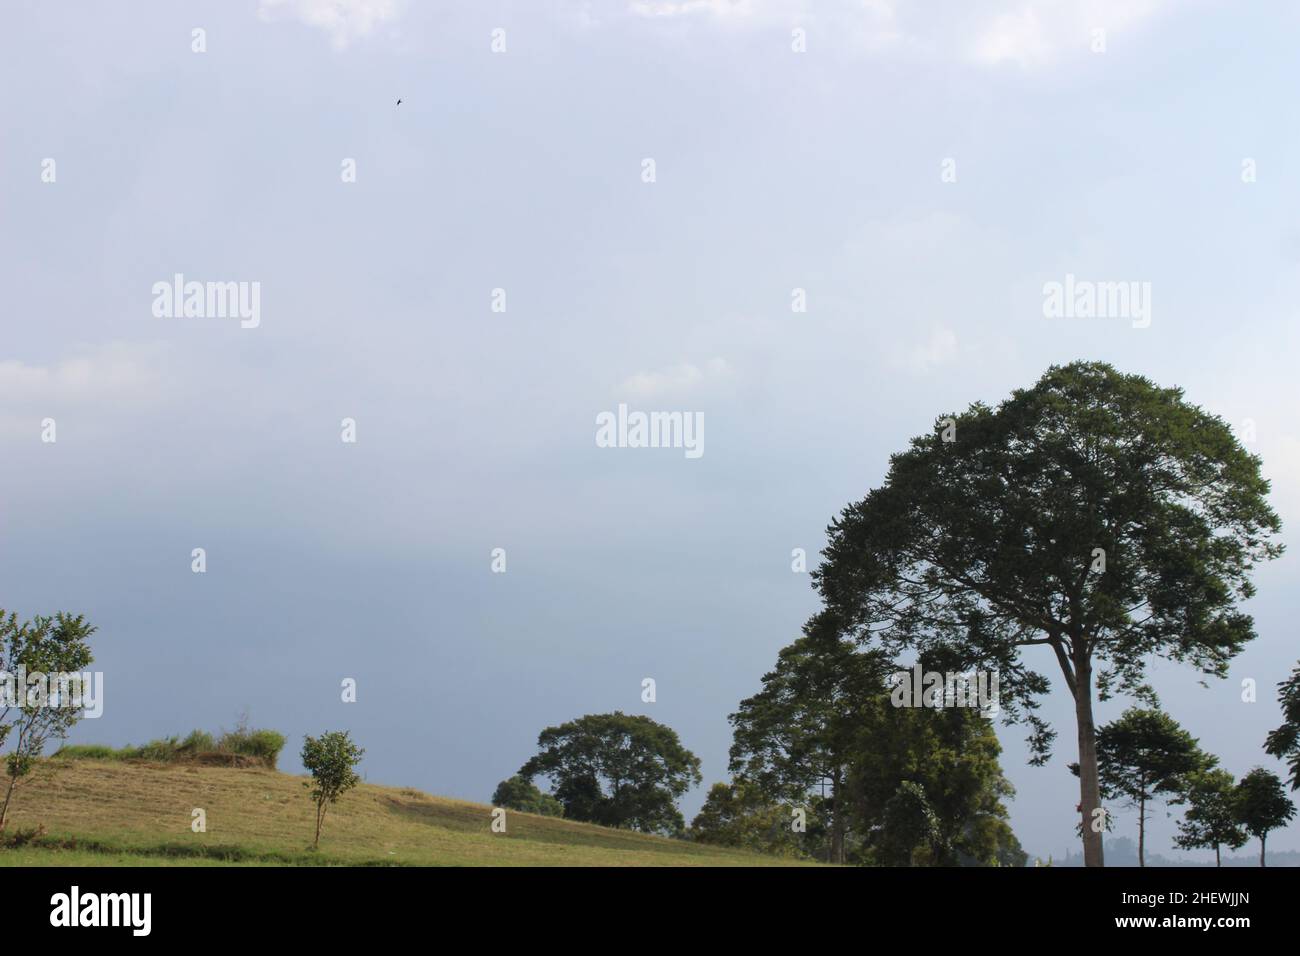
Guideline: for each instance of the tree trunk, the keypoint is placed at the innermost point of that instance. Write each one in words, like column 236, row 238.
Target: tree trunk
column 320, row 818
column 4, row 810
column 1261, row 850
column 837, row 822
column 1089, row 791
column 1142, row 831
column 1217, row 860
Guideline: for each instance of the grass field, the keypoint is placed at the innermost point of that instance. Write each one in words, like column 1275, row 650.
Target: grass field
column 130, row 813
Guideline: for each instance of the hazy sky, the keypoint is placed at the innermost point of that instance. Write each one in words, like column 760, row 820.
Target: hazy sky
column 522, row 170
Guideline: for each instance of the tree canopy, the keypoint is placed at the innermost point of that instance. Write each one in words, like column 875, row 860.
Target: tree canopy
column 1095, row 515
column 618, row 770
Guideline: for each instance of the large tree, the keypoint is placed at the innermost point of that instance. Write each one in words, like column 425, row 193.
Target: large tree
column 1210, row 820
column 1094, row 515
column 1261, row 805
column 619, row 770
column 1142, row 755
column 802, row 727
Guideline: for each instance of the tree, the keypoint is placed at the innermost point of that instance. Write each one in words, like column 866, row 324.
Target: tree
column 1210, row 819
column 1142, row 755
column 908, row 826
column 1284, row 742
column 618, row 770
column 800, row 728
column 1094, row 514
column 331, row 759
column 519, row 794
column 42, row 661
column 951, row 755
column 1262, row 805
column 740, row 814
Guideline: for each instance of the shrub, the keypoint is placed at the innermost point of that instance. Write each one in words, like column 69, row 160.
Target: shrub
column 264, row 744
column 199, row 741
column 523, row 795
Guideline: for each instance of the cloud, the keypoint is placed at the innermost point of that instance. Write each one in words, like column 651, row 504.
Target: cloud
column 343, row 20
column 1028, row 33
column 1031, row 34
column 683, row 377
column 116, row 370
column 939, row 349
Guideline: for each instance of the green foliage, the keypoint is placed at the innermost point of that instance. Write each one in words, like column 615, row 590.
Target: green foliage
column 740, row 815
column 44, row 645
column 618, row 770
column 908, row 827
column 516, row 793
column 1284, row 742
column 981, row 545
column 331, row 760
column 1210, row 821
column 1261, row 805
column 803, row 726
column 200, row 741
column 263, row 745
column 951, row 756
column 1142, row 755
column 825, row 713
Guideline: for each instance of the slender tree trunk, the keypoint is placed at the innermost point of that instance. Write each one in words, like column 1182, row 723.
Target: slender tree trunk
column 320, row 818
column 1142, row 831
column 1261, row 850
column 1217, row 860
column 1089, row 790
column 9, row 795
column 837, row 822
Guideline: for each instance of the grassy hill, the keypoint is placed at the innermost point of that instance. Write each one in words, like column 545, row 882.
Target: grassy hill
column 135, row 813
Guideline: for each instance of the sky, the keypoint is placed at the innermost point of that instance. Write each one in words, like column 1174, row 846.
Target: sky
column 917, row 170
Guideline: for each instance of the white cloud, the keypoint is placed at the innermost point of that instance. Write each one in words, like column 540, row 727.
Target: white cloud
column 939, row 349
column 683, row 377
column 1027, row 33
column 1033, row 34
column 96, row 373
column 343, row 20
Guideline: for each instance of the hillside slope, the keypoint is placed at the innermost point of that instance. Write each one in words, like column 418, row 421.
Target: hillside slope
column 132, row 813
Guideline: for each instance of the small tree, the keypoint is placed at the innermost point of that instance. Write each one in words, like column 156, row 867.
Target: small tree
column 739, row 814
column 1210, row 820
column 1143, row 755
column 523, row 795
column 331, row 759
column 1262, row 805
column 1284, row 742
column 55, row 650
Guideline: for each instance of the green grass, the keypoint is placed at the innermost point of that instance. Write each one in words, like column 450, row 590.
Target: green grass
column 124, row 812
